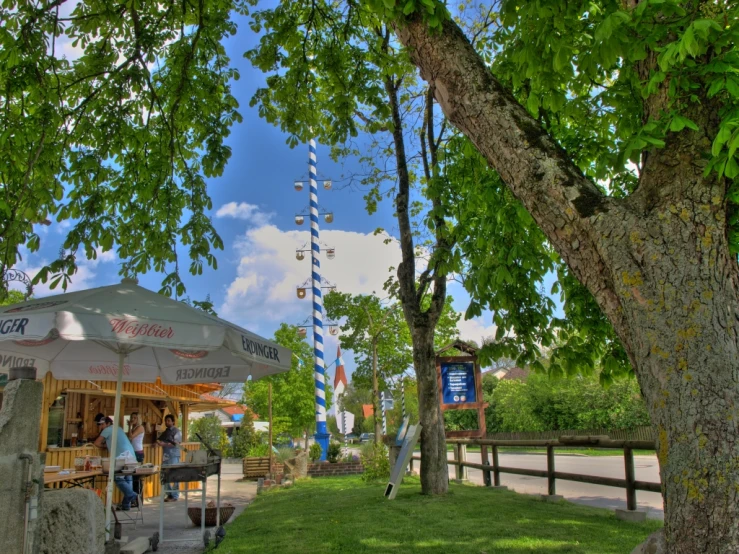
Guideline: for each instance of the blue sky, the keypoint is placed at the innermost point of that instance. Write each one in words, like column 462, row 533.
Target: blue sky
column 254, row 205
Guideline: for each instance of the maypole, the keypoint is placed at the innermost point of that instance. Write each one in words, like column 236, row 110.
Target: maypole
column 321, row 435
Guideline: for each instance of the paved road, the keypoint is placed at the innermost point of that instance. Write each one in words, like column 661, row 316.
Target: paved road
column 645, row 467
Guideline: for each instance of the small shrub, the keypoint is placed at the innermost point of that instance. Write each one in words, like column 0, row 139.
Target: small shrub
column 350, row 458
column 284, row 453
column 334, row 452
column 314, row 453
column 243, row 439
column 376, row 462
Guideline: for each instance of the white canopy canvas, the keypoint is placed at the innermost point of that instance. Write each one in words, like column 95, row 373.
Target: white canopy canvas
column 80, row 334
column 128, row 333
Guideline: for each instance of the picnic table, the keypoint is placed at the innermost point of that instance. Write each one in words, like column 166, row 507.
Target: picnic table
column 75, row 479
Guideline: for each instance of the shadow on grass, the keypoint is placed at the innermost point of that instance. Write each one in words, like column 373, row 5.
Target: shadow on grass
column 345, row 515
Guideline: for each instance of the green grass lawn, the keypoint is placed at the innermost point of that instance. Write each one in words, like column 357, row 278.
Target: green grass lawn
column 344, row 515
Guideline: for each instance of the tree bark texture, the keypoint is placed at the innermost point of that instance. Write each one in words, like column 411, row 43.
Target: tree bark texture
column 658, row 264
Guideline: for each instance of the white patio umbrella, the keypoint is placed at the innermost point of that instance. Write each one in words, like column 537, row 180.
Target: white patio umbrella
column 128, row 333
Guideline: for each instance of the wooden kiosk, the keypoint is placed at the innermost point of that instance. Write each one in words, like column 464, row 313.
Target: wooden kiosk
column 69, row 407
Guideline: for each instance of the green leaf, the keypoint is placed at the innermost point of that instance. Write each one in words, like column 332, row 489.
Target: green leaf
column 679, row 122
column 732, row 85
column 717, row 85
column 732, row 168
column 722, row 136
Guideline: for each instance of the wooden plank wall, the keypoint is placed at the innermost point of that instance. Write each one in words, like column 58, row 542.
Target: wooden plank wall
column 64, row 458
column 152, row 410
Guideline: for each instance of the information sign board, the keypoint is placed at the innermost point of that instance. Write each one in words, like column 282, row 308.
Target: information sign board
column 458, row 382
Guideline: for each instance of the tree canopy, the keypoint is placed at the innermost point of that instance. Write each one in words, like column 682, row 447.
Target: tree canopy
column 116, row 133
column 365, row 317
column 293, row 392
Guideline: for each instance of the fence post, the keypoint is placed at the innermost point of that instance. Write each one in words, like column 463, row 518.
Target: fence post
column 463, row 458
column 484, row 460
column 458, row 458
column 630, row 479
column 550, row 471
column 496, row 467
column 411, row 465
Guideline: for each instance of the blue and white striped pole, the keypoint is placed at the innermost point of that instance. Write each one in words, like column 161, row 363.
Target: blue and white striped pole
column 384, row 417
column 320, row 373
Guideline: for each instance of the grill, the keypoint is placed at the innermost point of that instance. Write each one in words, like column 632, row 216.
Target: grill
column 191, row 473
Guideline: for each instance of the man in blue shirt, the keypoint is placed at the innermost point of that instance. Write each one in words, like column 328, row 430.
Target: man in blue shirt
column 104, row 440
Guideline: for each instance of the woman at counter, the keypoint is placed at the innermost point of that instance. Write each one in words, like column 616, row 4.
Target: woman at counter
column 136, row 436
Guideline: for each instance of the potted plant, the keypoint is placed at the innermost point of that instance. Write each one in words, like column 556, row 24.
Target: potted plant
column 284, row 453
column 256, row 463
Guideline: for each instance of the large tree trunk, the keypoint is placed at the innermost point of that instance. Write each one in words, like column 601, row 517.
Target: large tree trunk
column 657, row 263
column 434, row 469
column 422, row 323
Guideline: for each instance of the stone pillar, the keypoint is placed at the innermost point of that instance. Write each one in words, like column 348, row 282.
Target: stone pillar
column 20, row 419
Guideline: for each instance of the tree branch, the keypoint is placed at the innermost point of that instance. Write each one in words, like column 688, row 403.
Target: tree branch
column 569, row 208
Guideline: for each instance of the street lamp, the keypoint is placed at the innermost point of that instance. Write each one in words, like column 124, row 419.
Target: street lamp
column 331, row 253
column 329, row 217
column 298, row 185
column 299, row 219
column 299, row 255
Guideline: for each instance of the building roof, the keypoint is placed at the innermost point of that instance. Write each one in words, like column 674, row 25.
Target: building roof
column 367, row 410
column 340, row 376
column 210, row 402
column 239, row 410
column 517, row 374
column 460, row 345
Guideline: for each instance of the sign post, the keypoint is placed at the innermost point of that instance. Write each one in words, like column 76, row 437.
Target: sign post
column 460, row 388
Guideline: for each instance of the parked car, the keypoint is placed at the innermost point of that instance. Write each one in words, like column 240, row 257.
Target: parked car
column 366, row 437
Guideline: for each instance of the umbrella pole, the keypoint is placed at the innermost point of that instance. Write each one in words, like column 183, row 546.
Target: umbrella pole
column 113, row 445
column 270, row 428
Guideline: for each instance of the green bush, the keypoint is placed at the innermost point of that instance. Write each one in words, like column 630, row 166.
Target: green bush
column 376, row 462
column 334, row 452
column 258, row 451
column 210, row 430
column 243, row 439
column 315, row 452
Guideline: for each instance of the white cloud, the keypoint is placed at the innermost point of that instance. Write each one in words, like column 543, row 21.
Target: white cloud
column 247, row 212
column 102, row 257
column 263, row 293
column 475, row 329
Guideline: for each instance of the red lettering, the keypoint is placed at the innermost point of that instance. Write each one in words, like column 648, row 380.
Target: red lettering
column 133, row 329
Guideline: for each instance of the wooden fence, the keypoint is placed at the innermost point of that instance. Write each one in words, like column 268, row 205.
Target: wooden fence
column 643, row 433
column 628, row 446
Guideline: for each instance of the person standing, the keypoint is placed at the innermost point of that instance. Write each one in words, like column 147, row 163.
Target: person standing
column 170, row 441
column 136, row 436
column 104, row 440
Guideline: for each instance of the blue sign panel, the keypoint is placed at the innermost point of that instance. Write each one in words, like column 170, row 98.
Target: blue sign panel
column 458, row 382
